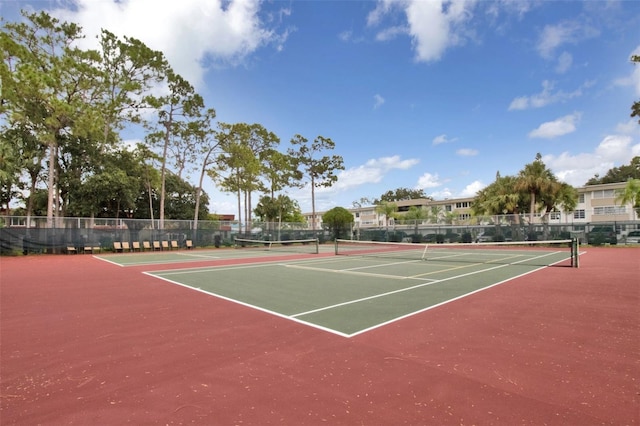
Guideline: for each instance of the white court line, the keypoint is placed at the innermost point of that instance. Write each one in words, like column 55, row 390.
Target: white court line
column 317, row 326
column 199, row 269
column 410, row 288
column 259, row 308
column 346, row 271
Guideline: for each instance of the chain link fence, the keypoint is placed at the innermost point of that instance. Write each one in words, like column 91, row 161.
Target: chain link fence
column 33, row 235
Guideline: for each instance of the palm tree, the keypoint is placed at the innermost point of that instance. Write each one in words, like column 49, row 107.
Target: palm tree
column 417, row 214
column 631, row 194
column 558, row 194
column 536, row 180
column 501, row 198
column 387, row 209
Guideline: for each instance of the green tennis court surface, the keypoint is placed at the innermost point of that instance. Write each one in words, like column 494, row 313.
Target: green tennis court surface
column 246, row 250
column 168, row 257
column 350, row 295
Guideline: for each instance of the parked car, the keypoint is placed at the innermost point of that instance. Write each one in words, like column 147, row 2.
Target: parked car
column 600, row 235
column 633, row 237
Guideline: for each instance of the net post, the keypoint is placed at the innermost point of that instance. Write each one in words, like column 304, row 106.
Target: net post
column 335, row 246
column 575, row 252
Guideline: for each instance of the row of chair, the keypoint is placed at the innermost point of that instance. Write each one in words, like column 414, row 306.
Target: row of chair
column 124, row 246
column 87, row 248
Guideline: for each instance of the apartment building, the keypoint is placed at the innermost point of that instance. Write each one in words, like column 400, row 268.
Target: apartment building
column 596, row 204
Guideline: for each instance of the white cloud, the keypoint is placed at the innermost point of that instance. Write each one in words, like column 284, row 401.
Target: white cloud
column 443, row 194
column 561, row 126
column 565, row 60
column 632, row 80
column 428, row 180
column 576, row 170
column 378, row 101
column 629, row 128
column 389, row 163
column 434, row 26
column 373, row 171
column 547, row 96
column 188, row 33
column 440, row 139
column 567, row 32
column 467, row 152
column 472, row 189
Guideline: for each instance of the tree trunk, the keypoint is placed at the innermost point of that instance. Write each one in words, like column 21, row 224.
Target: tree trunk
column 51, row 183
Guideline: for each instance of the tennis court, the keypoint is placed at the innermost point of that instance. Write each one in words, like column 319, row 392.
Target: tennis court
column 88, row 341
column 369, row 284
column 243, row 250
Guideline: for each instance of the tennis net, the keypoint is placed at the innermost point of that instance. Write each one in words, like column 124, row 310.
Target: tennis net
column 310, row 245
column 536, row 253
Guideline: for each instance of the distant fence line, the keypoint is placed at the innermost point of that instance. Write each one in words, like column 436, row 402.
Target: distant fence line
column 19, row 234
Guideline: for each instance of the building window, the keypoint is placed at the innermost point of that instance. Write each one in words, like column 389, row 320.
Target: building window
column 605, row 193
column 447, row 208
column 554, row 215
column 18, row 221
column 581, row 198
column 462, row 205
column 464, row 216
column 609, row 210
column 579, row 214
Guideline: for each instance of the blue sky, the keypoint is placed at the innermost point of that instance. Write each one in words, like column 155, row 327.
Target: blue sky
column 436, row 95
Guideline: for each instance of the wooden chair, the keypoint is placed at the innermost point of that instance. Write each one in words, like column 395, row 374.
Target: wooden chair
column 189, row 244
column 135, row 246
column 156, row 245
column 174, row 245
column 146, row 245
column 126, row 246
column 117, row 246
column 165, row 245
column 92, row 248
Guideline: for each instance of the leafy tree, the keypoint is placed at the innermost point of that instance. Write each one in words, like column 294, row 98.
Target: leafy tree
column 128, row 69
column 339, row 221
column 319, row 169
column 281, row 209
column 233, row 162
column 108, row 193
column 631, row 194
column 244, row 148
column 364, row 201
column 178, row 106
column 181, row 200
column 48, row 84
column 619, row 174
column 281, row 171
column 534, row 190
column 205, row 143
column 402, row 194
column 500, row 198
column 9, row 171
column 261, row 144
